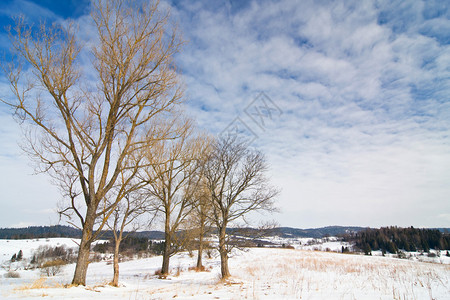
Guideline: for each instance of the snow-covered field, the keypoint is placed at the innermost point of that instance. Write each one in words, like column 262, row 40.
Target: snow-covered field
column 259, row 273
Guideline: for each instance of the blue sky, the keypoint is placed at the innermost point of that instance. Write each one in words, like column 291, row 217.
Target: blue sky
column 353, row 96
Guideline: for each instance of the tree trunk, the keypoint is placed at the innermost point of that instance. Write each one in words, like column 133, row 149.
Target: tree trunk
column 200, row 247
column 166, row 255
column 115, row 281
column 79, row 277
column 200, row 254
column 223, row 254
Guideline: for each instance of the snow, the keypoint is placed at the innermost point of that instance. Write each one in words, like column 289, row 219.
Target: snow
column 325, row 244
column 258, row 273
column 9, row 247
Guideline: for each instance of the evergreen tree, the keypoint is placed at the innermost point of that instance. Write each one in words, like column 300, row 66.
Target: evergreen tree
column 20, row 255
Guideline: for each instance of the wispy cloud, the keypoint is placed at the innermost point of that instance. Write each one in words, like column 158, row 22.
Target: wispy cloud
column 363, row 86
column 364, row 134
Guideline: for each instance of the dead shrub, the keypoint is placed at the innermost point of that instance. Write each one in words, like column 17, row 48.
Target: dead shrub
column 160, row 274
column 209, row 253
column 49, row 253
column 12, row 274
column 52, row 267
column 178, row 271
column 196, row 269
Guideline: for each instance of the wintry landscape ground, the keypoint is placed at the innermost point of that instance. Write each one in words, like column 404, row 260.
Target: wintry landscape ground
column 257, row 273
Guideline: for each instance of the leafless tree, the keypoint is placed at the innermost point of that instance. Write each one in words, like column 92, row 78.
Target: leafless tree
column 129, row 214
column 86, row 134
column 199, row 219
column 172, row 180
column 235, row 178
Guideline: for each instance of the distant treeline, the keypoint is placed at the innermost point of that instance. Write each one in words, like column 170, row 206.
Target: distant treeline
column 393, row 239
column 34, row 232
column 132, row 244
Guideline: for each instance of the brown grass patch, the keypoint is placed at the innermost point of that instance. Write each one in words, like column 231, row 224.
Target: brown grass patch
column 41, row 283
column 160, row 274
column 201, row 269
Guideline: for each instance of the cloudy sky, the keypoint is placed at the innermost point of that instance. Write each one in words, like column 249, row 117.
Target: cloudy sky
column 348, row 99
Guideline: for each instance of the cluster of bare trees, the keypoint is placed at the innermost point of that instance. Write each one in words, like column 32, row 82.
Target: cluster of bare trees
column 114, row 140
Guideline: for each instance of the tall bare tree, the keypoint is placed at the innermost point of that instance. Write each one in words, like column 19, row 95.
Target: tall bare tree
column 235, row 178
column 86, row 134
column 172, row 180
column 130, row 200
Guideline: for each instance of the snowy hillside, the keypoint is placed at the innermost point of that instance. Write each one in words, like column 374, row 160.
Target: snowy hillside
column 258, row 273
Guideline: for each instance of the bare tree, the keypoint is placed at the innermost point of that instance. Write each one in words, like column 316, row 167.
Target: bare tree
column 172, row 180
column 130, row 200
column 128, row 214
column 235, row 178
column 85, row 135
column 200, row 219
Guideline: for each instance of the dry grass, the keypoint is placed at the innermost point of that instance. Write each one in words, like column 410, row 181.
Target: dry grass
column 160, row 275
column 201, row 269
column 300, row 274
column 41, row 283
column 304, row 273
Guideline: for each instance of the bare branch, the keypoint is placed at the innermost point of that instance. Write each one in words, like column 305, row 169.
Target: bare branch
column 88, row 136
column 234, row 177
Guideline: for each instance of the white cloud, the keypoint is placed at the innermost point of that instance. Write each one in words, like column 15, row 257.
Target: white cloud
column 363, row 86
column 358, row 141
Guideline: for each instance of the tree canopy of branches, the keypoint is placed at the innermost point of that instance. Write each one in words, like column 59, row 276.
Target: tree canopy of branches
column 199, row 218
column 85, row 129
column 172, row 179
column 237, row 185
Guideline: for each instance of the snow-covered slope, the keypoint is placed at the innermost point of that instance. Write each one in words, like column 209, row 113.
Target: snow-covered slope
column 259, row 273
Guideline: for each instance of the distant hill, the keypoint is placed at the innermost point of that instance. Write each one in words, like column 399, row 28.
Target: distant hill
column 33, row 232
column 67, row 231
column 287, row 232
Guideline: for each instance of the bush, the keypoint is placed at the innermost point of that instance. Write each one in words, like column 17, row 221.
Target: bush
column 19, row 255
column 160, row 274
column 12, row 274
column 47, row 253
column 209, row 253
column 201, row 269
column 52, row 267
column 401, row 254
column 287, row 246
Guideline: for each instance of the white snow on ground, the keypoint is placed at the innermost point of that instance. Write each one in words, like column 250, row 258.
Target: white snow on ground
column 325, row 244
column 9, row 247
column 259, row 273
